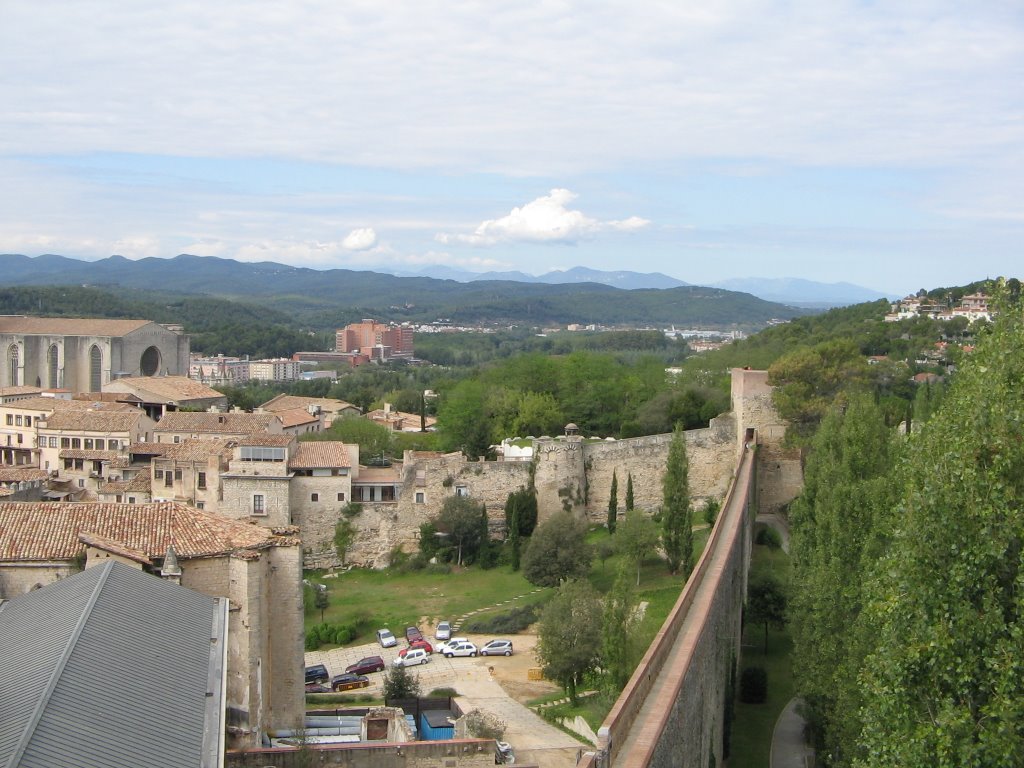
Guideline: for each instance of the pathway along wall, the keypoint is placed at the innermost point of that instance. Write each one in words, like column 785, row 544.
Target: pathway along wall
column 671, row 712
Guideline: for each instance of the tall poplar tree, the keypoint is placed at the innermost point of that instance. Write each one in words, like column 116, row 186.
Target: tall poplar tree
column 676, row 514
column 613, row 503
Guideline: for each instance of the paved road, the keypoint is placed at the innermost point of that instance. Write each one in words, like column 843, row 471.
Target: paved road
column 788, row 747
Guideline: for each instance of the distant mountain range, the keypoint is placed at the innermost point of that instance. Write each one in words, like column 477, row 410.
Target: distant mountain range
column 794, row 291
column 331, row 298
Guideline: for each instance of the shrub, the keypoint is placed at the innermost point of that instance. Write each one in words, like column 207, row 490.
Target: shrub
column 505, row 623
column 330, row 634
column 484, row 725
column 711, row 509
column 443, row 693
column 768, row 536
column 754, row 685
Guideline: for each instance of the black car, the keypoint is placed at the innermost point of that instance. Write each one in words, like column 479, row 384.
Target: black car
column 348, row 682
column 365, row 666
column 317, row 674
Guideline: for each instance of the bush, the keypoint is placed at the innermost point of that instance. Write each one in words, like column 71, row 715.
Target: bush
column 484, row 725
column 400, row 683
column 711, row 509
column 768, row 536
column 505, row 623
column 440, row 693
column 754, row 685
column 330, row 634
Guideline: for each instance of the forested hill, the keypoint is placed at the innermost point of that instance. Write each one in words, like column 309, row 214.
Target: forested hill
column 326, row 299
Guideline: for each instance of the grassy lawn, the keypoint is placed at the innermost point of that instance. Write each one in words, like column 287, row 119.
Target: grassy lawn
column 374, row 599
column 752, row 729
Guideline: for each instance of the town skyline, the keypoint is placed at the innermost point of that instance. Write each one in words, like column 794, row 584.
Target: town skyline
column 880, row 147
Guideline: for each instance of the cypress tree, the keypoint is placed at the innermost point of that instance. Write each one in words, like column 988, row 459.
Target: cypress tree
column 613, row 503
column 677, row 516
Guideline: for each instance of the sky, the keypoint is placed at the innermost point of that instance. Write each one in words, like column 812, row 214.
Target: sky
column 875, row 143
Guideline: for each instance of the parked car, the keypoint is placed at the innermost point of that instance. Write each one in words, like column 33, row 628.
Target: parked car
column 317, row 688
column 348, row 682
column 443, row 631
column 465, row 648
column 425, row 645
column 412, row 657
column 366, row 666
column 317, row 674
column 497, row 648
column 413, row 633
column 452, row 641
column 386, row 638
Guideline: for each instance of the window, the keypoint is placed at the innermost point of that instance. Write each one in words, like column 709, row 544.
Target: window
column 118, row 498
column 258, row 507
column 131, row 499
column 87, row 444
column 53, row 442
column 201, row 482
column 420, row 497
column 51, row 364
column 200, row 505
column 12, row 363
column 69, row 463
column 461, row 490
column 99, row 444
column 177, row 474
column 10, row 419
column 81, row 483
column 177, row 438
column 28, row 421
column 314, row 497
column 158, row 474
column 79, row 464
column 261, row 453
column 341, row 497
column 21, row 438
column 76, row 442
column 95, row 369
column 97, row 467
column 168, row 479
column 17, row 421
column 65, row 442
column 112, row 445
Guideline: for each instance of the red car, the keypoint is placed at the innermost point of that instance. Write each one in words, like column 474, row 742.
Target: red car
column 412, row 634
column 365, row 666
column 425, row 645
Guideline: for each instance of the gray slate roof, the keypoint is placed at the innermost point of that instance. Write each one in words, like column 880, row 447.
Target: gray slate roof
column 111, row 667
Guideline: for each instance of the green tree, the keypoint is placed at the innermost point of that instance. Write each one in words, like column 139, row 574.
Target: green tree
column 400, row 683
column 637, row 539
column 321, row 601
column 617, row 629
column 676, row 513
column 569, row 643
column 766, row 602
column 373, row 439
column 344, row 534
column 944, row 683
column 557, row 551
column 460, row 520
column 613, row 503
column 629, row 492
column 464, row 418
column 838, row 525
column 524, row 503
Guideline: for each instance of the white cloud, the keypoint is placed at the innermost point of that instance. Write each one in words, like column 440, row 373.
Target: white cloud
column 360, row 239
column 544, row 220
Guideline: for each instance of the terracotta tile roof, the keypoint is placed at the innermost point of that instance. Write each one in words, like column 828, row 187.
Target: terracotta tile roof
column 122, row 462
column 265, row 439
column 217, row 423
column 288, row 402
column 141, row 483
column 31, row 531
column 49, row 404
column 19, row 390
column 81, row 453
column 293, row 417
column 167, row 387
column 6, row 492
column 200, row 450
column 149, row 449
column 109, row 545
column 105, row 420
column 108, row 397
column 320, row 454
column 22, row 474
column 69, row 326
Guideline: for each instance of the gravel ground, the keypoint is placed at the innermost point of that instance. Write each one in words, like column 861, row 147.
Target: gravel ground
column 497, row 684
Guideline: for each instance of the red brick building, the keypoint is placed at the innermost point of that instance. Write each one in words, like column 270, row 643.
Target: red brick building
column 377, row 340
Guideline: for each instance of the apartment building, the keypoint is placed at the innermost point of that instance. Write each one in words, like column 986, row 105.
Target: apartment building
column 378, row 340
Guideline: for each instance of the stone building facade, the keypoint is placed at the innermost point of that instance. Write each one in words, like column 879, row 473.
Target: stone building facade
column 82, row 355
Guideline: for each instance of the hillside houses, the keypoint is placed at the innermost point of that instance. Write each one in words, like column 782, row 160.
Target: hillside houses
column 972, row 307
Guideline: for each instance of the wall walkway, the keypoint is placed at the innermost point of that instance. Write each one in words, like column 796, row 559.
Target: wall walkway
column 671, row 712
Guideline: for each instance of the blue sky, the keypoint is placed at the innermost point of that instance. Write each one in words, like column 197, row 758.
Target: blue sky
column 879, row 144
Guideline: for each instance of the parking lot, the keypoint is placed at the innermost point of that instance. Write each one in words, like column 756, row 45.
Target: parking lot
column 482, row 682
